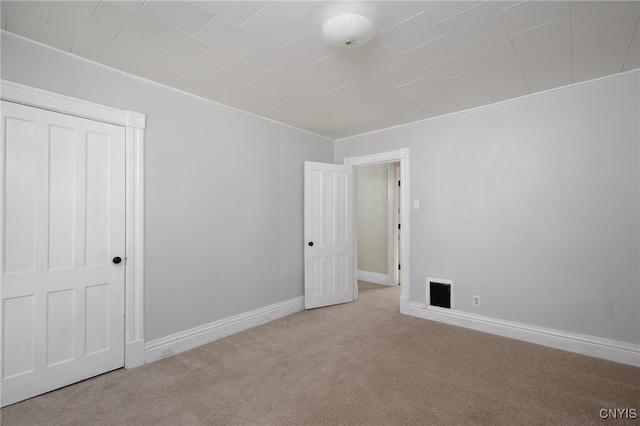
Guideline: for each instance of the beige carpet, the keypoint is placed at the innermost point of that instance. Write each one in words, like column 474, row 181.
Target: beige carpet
column 355, row 364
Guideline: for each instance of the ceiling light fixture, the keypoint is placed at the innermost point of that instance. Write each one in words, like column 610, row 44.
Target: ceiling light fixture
column 348, row 30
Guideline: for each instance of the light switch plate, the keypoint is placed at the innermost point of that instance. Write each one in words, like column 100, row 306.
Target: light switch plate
column 416, row 204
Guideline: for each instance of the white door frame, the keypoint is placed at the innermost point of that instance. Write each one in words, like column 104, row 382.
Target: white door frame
column 134, row 124
column 401, row 155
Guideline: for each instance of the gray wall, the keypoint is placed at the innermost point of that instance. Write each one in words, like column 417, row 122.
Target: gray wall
column 532, row 204
column 373, row 218
column 224, row 191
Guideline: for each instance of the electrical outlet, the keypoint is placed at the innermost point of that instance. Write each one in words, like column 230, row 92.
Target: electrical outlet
column 476, row 300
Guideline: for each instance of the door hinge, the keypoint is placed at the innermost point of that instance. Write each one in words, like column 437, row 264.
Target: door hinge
column 399, row 266
column 398, row 183
column 398, row 226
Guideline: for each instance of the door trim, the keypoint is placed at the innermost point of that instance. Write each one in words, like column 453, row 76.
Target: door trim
column 134, row 124
column 401, row 155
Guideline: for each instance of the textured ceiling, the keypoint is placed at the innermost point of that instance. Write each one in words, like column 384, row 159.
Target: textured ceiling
column 428, row 58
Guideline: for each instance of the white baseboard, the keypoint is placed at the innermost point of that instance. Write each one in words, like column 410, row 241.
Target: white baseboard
column 612, row 350
column 375, row 278
column 189, row 339
column 134, row 354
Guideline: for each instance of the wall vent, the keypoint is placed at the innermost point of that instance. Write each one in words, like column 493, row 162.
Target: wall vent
column 439, row 293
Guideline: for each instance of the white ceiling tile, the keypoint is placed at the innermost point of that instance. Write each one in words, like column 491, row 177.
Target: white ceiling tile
column 632, row 62
column 587, row 73
column 488, row 70
column 309, row 48
column 432, row 53
column 225, row 35
column 105, row 57
column 417, row 88
column 441, row 10
column 604, row 55
column 112, row 16
column 186, row 85
column 504, row 4
column 181, row 15
column 457, row 83
column 382, row 60
column 294, row 7
column 546, row 56
column 222, row 61
column 295, row 71
column 472, row 22
column 448, row 68
column 359, row 80
column 436, row 103
column 220, row 82
column 529, row 14
column 507, row 87
column 132, row 5
column 84, row 9
column 307, row 99
column 549, row 76
column 39, row 32
column 336, row 66
column 321, row 85
column 587, row 11
column 236, row 12
column 634, row 48
column 183, row 66
column 485, row 45
column 147, row 71
column 273, row 24
column 263, row 55
column 633, row 56
column 38, row 12
column 126, row 45
column 259, row 97
column 401, row 75
column 471, row 97
column 256, row 77
column 386, row 14
column 284, row 89
column 401, row 106
column 341, row 96
column 607, row 27
column 413, row 32
column 65, row 22
column 180, row 43
column 545, row 35
column 540, row 84
column 378, row 92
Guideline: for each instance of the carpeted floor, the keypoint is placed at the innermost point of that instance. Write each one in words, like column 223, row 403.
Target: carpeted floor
column 361, row 363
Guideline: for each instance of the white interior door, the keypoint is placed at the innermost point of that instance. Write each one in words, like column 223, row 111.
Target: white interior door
column 328, row 230
column 63, row 225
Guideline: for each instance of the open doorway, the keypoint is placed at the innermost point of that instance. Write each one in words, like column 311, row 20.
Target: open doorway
column 378, row 223
column 401, row 155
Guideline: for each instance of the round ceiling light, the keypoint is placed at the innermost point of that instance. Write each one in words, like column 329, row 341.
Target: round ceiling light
column 348, row 30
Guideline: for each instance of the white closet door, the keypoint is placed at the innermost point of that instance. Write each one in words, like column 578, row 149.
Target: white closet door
column 63, row 230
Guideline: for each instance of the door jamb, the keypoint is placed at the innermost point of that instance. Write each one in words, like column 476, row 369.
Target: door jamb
column 401, row 155
column 134, row 124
